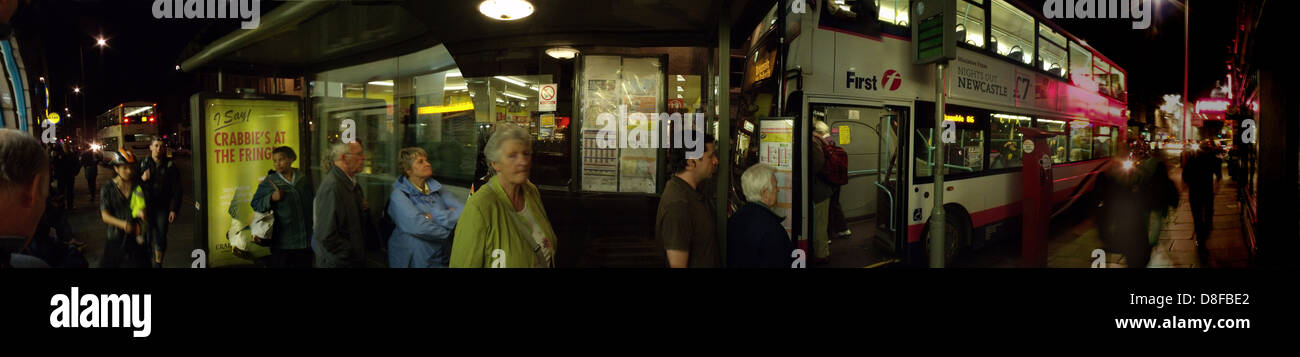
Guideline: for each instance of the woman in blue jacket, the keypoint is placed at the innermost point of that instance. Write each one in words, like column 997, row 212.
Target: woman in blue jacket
column 423, row 213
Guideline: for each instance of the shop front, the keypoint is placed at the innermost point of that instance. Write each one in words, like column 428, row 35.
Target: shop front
column 442, row 77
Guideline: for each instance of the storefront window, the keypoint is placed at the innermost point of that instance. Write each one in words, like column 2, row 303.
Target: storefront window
column 415, row 100
column 1056, row 143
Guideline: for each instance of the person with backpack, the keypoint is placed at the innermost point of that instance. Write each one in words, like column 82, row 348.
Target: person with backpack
column 287, row 193
column 422, row 213
column 822, row 162
column 837, row 174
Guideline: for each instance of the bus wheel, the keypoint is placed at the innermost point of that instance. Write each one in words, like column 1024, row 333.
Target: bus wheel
column 956, row 233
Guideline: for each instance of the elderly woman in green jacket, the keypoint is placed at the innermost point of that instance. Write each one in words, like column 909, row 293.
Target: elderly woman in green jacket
column 504, row 224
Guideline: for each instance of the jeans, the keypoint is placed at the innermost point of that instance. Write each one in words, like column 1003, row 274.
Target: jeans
column 157, row 235
column 821, row 218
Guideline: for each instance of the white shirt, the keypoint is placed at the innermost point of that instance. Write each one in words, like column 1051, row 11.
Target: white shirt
column 534, row 229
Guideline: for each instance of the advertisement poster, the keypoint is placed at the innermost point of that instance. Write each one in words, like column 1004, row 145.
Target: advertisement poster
column 642, row 83
column 776, row 148
column 599, row 166
column 240, row 135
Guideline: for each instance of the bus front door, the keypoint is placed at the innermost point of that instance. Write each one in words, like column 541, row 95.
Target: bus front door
column 868, row 135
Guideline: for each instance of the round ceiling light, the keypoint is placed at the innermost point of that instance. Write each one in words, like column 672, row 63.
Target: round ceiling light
column 506, row 10
column 562, row 52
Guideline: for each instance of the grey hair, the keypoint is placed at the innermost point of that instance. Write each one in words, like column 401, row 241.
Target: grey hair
column 504, row 133
column 821, row 128
column 22, row 158
column 757, row 179
column 406, row 158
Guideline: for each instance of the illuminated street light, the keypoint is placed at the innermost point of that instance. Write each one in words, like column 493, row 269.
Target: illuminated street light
column 506, row 10
column 101, row 42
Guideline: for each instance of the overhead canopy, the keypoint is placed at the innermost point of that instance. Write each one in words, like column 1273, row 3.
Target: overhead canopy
column 302, row 36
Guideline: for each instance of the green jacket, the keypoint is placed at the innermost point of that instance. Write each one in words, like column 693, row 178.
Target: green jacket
column 489, row 223
column 293, row 213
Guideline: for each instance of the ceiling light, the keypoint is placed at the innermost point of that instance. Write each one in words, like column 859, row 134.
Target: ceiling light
column 506, row 10
column 382, row 83
column 516, row 96
column 455, row 74
column 513, row 81
column 562, row 52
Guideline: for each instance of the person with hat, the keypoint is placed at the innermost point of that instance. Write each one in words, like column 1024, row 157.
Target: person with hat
column 121, row 207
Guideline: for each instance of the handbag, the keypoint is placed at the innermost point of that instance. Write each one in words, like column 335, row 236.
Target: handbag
column 261, row 227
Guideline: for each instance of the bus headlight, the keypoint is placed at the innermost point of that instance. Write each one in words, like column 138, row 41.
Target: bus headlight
column 95, row 147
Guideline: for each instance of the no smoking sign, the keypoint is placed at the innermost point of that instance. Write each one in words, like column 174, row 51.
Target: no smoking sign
column 546, row 98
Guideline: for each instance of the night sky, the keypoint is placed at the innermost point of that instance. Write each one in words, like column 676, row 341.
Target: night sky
column 143, row 51
column 1153, row 58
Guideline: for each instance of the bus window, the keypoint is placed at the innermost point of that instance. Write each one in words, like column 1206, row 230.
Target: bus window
column 1101, row 74
column 970, row 22
column 1005, row 139
column 1103, row 144
column 1056, row 143
column 1080, row 61
column 1117, row 82
column 893, row 11
column 966, row 154
column 1080, row 140
column 853, row 16
column 1014, row 31
column 1051, row 51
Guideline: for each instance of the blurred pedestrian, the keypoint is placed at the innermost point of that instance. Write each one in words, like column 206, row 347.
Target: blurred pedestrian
column 161, row 181
column 1135, row 194
column 90, row 162
column 118, row 206
column 1201, row 178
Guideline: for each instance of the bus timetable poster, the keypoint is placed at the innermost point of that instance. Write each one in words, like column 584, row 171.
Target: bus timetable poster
column 240, row 135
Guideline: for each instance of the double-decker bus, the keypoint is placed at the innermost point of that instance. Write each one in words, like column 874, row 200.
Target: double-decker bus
column 849, row 63
column 130, row 125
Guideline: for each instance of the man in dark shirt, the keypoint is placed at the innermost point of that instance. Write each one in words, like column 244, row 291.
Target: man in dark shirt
column 1201, row 175
column 684, row 223
column 161, row 181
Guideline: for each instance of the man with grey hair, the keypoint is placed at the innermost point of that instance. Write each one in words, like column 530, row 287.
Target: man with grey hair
column 24, row 186
column 755, row 236
column 339, row 224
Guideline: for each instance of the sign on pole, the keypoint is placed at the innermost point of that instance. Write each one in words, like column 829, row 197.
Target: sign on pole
column 934, row 31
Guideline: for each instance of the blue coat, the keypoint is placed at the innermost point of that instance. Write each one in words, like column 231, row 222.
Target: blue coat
column 418, row 242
